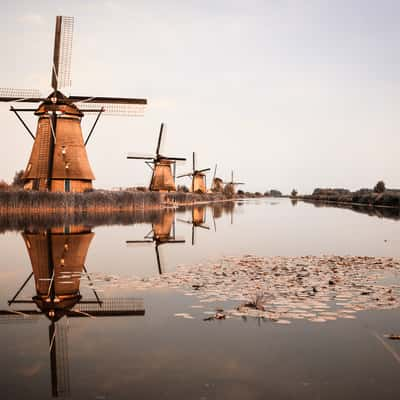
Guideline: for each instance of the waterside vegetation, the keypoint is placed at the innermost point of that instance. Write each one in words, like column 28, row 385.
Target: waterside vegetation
column 379, row 196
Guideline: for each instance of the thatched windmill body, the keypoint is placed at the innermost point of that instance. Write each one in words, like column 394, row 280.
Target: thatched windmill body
column 58, row 160
column 162, row 179
column 217, row 184
column 58, row 263
column 198, row 178
column 162, row 232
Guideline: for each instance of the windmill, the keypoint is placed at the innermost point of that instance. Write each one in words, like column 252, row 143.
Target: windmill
column 232, row 181
column 217, row 185
column 162, row 178
column 58, row 263
column 162, row 232
column 198, row 178
column 198, row 220
column 58, row 160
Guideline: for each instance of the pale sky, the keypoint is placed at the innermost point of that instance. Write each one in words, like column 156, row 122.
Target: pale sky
column 288, row 94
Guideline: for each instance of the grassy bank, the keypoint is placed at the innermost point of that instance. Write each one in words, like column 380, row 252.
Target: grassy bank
column 389, row 198
column 96, row 202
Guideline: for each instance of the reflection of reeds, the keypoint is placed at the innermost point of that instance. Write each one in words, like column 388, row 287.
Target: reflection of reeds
column 14, row 221
column 37, row 221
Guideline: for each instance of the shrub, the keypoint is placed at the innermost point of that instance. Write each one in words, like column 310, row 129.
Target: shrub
column 380, row 187
column 275, row 193
column 182, row 189
column 18, row 181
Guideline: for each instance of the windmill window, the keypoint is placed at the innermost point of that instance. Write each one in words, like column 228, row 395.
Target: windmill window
column 29, row 168
column 67, row 185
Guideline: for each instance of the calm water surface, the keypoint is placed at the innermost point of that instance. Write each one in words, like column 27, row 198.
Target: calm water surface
column 138, row 349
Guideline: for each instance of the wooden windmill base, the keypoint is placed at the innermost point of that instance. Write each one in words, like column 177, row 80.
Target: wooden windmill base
column 59, row 185
column 162, row 179
column 199, row 183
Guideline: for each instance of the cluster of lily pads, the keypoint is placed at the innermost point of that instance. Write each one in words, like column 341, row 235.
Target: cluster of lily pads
column 281, row 289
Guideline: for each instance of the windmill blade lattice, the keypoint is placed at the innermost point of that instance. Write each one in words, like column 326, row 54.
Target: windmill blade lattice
column 61, row 71
column 20, row 95
column 114, row 109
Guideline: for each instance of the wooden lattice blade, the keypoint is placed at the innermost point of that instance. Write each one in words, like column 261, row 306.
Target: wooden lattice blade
column 20, row 95
column 61, row 69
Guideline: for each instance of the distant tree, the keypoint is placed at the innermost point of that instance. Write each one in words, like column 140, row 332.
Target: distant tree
column 240, row 192
column 380, row 187
column 18, row 181
column 229, row 190
column 258, row 194
column 275, row 193
column 294, row 193
column 182, row 188
column 266, row 194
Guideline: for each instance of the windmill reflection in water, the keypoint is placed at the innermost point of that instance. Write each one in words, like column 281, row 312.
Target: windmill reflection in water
column 199, row 214
column 161, row 233
column 58, row 259
column 198, row 220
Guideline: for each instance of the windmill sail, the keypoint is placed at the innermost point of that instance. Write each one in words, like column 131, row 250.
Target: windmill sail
column 134, row 109
column 61, row 69
column 20, row 95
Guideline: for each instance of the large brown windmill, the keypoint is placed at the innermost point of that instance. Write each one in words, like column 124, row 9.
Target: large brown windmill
column 162, row 179
column 58, row 160
column 198, row 178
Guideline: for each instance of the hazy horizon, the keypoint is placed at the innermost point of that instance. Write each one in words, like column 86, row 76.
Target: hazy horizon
column 288, row 94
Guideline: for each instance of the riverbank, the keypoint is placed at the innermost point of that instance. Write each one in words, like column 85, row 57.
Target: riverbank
column 98, row 202
column 389, row 198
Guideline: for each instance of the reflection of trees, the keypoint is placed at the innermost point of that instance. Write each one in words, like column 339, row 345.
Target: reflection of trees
column 380, row 212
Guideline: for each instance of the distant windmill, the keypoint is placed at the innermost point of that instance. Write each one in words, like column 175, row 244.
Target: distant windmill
column 232, row 181
column 198, row 178
column 217, row 185
column 198, row 220
column 162, row 232
column 162, row 179
column 58, row 264
column 58, row 160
